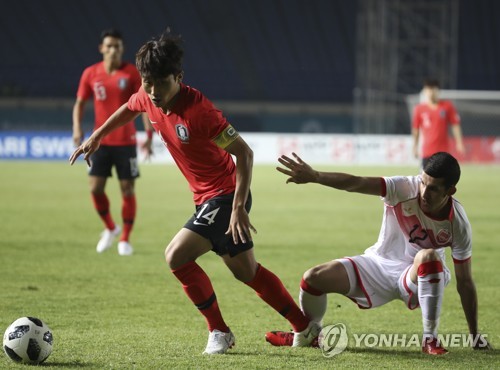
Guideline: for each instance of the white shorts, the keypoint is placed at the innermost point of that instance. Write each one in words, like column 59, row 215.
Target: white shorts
column 375, row 281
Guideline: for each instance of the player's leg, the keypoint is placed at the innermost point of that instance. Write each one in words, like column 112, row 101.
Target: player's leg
column 267, row 285
column 125, row 161
column 100, row 170
column 330, row 277
column 428, row 274
column 181, row 255
column 317, row 282
column 129, row 208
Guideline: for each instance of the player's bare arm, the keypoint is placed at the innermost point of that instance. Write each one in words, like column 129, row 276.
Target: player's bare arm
column 468, row 296
column 301, row 173
column 239, row 226
column 121, row 117
column 78, row 110
column 148, row 144
column 415, row 133
column 456, row 130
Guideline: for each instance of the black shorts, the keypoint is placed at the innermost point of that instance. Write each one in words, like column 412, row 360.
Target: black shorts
column 124, row 158
column 211, row 221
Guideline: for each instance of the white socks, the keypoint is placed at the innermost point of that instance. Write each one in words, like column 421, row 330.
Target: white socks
column 430, row 295
column 312, row 302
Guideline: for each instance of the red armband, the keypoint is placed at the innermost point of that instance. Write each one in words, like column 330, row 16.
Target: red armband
column 149, row 134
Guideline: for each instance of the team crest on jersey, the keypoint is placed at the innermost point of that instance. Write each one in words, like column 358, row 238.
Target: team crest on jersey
column 443, row 236
column 442, row 113
column 182, row 133
column 122, row 83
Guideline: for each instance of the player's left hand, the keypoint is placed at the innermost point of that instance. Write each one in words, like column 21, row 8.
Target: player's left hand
column 147, row 148
column 298, row 170
column 482, row 344
column 240, row 226
column 87, row 148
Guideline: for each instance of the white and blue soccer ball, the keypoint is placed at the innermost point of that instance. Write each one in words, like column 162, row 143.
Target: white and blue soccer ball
column 28, row 340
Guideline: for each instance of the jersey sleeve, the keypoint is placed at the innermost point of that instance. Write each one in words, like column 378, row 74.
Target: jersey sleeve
column 226, row 137
column 461, row 247
column 415, row 123
column 211, row 124
column 84, row 89
column 400, row 188
column 453, row 116
column 136, row 102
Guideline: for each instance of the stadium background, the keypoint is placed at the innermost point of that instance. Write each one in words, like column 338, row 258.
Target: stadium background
column 292, row 66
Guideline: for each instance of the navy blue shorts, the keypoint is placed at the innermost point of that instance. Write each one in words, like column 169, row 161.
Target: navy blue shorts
column 211, row 221
column 124, row 158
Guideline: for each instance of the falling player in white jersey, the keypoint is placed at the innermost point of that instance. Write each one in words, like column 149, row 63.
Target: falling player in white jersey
column 407, row 262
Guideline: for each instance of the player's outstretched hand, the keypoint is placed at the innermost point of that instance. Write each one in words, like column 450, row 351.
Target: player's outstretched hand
column 87, row 148
column 298, row 170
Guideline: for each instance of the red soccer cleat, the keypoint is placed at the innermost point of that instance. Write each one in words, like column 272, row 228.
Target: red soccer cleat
column 280, row 338
column 432, row 347
column 285, row 338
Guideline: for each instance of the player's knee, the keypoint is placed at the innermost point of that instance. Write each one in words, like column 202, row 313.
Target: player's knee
column 244, row 276
column 175, row 256
column 427, row 255
column 312, row 275
column 127, row 189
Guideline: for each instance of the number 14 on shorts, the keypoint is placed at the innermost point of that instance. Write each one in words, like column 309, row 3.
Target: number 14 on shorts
column 210, row 216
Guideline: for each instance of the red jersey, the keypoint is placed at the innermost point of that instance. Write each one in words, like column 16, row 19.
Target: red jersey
column 195, row 133
column 433, row 125
column 110, row 92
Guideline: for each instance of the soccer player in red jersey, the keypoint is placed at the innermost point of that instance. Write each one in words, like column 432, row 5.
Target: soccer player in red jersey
column 111, row 83
column 201, row 142
column 431, row 119
column 421, row 218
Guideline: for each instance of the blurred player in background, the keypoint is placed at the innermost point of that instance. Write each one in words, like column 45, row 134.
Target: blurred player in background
column 421, row 218
column 111, row 83
column 431, row 119
column 201, row 141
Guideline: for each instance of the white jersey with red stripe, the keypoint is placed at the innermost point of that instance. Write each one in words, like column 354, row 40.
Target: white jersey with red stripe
column 406, row 229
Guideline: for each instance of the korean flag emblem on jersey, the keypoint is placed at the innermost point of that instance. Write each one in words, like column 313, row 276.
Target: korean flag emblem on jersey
column 182, row 133
column 122, row 83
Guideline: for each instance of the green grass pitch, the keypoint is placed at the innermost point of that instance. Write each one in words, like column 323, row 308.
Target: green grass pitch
column 112, row 312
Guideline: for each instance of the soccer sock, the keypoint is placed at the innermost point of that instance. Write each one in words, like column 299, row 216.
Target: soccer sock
column 430, row 295
column 198, row 288
column 128, row 215
column 272, row 291
column 312, row 302
column 101, row 204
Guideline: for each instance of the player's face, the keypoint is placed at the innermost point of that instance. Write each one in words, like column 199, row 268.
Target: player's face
column 431, row 94
column 434, row 195
column 161, row 91
column 111, row 49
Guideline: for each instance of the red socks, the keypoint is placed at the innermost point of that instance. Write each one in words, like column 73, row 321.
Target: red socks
column 198, row 288
column 272, row 291
column 128, row 215
column 101, row 204
column 129, row 206
column 268, row 286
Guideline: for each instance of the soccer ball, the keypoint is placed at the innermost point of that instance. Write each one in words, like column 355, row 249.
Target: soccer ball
column 28, row 340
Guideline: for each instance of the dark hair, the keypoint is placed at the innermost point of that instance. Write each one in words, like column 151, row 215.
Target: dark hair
column 442, row 165
column 160, row 58
column 431, row 82
column 110, row 32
